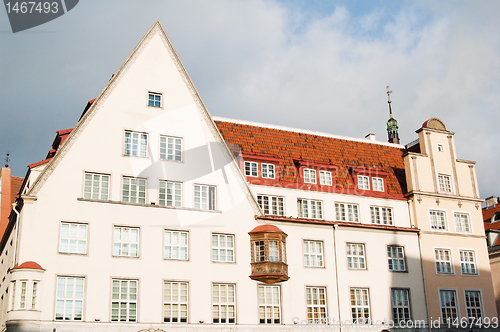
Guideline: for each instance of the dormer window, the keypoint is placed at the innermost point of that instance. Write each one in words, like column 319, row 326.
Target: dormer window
column 268, row 171
column 325, row 178
column 251, row 168
column 309, row 175
column 363, row 182
column 378, row 184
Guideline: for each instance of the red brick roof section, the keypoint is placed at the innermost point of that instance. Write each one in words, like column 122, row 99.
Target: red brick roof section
column 28, row 265
column 487, row 214
column 289, row 145
column 266, row 228
column 15, row 186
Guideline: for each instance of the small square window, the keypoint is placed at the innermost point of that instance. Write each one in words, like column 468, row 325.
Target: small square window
column 136, row 144
column 134, row 190
column 356, row 256
column 378, row 184
column 363, row 182
column 73, row 238
column 176, row 245
column 126, row 242
column 154, row 99
column 309, row 175
column 325, row 178
column 170, row 194
column 440, row 148
column 438, row 220
column 268, row 171
column 96, row 186
column 170, row 148
column 313, row 253
column 251, row 168
column 204, row 197
column 222, row 248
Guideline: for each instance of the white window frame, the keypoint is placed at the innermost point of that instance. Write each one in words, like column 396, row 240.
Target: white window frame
column 211, row 200
column 381, row 215
column 269, row 304
column 440, row 148
column 441, row 261
column 360, row 306
column 173, row 153
column 398, row 261
column 73, row 299
column 436, row 223
column 13, row 295
column 378, row 184
column 155, row 94
column 181, row 247
column 23, row 296
column 252, row 169
column 400, row 302
column 35, row 290
column 316, row 305
column 223, row 303
column 468, row 260
column 140, row 150
column 363, row 182
column 170, row 193
column 271, row 205
column 313, row 253
column 348, row 212
column 125, row 243
column 475, row 312
column 126, row 301
column 77, row 239
column 451, row 309
column 222, row 252
column 442, row 185
column 98, row 187
column 267, row 170
column 180, row 301
column 136, row 182
column 325, row 178
column 310, row 208
column 309, row 175
column 462, row 222
column 355, row 259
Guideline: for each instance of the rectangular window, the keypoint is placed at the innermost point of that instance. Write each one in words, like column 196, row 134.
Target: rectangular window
column 134, row 190
column 269, row 305
column 309, row 175
column 126, row 241
column 96, row 186
column 73, row 239
column 124, row 301
column 444, row 183
column 462, row 222
column 13, row 283
column 136, row 144
column 204, row 197
column 260, row 251
column 176, row 245
column 274, row 254
column 310, row 209
column 396, row 257
column 154, row 99
column 400, row 306
column 316, row 305
column 22, row 300
column 356, row 256
column 443, row 261
column 273, row 205
column 313, row 253
column 438, row 220
column 347, row 212
column 268, row 171
column 381, row 215
column 473, row 306
column 34, row 294
column 440, row 148
column 467, row 262
column 69, row 298
column 251, row 168
column 222, row 248
column 378, row 184
column 175, row 302
column 224, row 304
column 170, row 194
column 449, row 305
column 360, row 306
column 363, row 182
column 325, row 178
column 170, row 148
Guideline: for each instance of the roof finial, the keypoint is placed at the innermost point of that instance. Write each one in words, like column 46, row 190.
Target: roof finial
column 7, row 159
column 389, row 100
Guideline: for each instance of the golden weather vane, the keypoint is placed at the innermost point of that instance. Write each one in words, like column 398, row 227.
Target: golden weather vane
column 389, row 99
column 7, row 159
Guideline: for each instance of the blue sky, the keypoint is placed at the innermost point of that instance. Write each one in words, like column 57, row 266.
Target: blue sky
column 311, row 64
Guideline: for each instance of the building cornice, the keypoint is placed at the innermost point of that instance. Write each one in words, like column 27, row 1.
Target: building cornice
column 412, row 193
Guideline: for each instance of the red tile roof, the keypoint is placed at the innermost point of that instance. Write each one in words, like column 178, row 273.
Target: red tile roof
column 15, row 186
column 487, row 214
column 28, row 265
column 266, row 228
column 39, row 163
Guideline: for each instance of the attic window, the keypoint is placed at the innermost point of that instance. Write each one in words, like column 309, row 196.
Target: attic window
column 495, row 217
column 154, row 99
column 440, row 148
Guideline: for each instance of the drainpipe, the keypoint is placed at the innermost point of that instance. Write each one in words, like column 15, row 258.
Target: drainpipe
column 425, row 283
column 17, row 230
column 337, row 271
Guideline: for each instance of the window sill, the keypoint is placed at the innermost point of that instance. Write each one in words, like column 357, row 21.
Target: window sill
column 145, row 205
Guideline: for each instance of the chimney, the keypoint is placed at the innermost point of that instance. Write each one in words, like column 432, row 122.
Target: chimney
column 491, row 202
column 5, row 198
column 370, row 136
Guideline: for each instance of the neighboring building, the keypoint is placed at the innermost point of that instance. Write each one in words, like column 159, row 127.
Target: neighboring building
column 152, row 215
column 9, row 188
column 491, row 218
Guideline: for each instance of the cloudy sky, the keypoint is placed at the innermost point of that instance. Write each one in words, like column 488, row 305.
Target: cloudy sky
column 318, row 65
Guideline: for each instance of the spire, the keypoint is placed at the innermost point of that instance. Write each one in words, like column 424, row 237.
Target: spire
column 392, row 124
column 7, row 159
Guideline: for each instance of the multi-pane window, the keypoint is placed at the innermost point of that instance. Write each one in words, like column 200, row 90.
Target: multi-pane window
column 13, row 283
column 170, row 194
column 124, row 301
column 316, row 305
column 443, row 261
column 274, row 253
column 347, row 212
column 325, row 178
column 96, row 186
column 381, row 215
column 136, row 144
column 449, row 305
column 360, row 306
column 309, row 175
column 268, row 171
column 154, row 99
column 126, row 241
column 462, row 222
column 396, row 258
column 473, row 306
column 176, row 245
column 309, row 208
column 134, row 190
column 260, row 251
column 175, row 302
column 73, row 239
column 170, row 148
column 363, row 182
column 269, row 304
column 22, row 300
column 204, row 197
column 313, row 253
column 444, row 183
column 273, row 205
column 378, row 184
column 356, row 256
column 222, row 248
column 400, row 306
column 251, row 168
column 467, row 262
column 34, row 294
column 69, row 298
column 438, row 220
column 223, row 307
